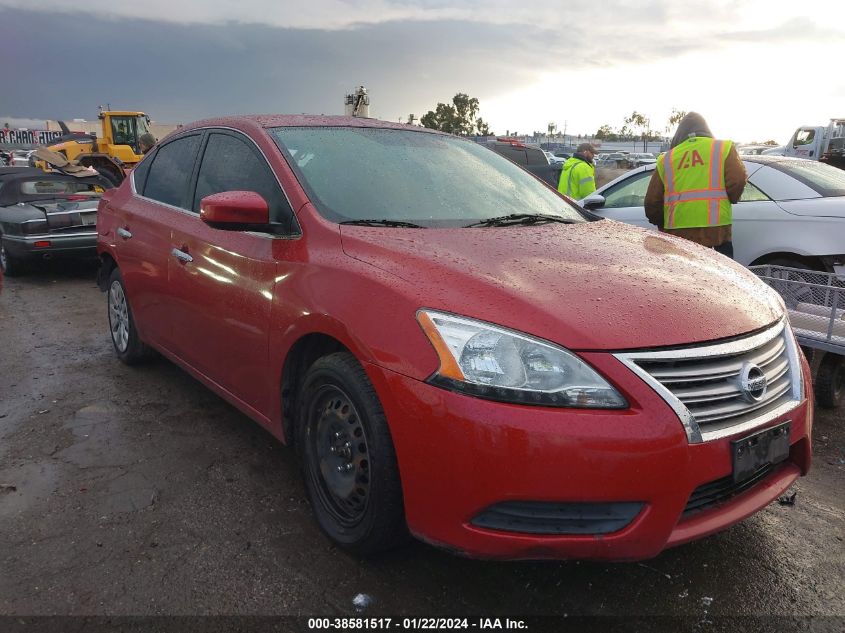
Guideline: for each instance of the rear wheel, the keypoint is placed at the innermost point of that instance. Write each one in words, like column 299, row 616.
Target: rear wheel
column 830, row 381
column 349, row 462
column 11, row 265
column 127, row 344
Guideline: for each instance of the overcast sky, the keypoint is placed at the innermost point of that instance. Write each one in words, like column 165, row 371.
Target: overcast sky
column 756, row 69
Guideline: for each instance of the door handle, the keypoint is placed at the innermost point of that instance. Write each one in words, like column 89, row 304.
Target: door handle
column 182, row 256
column 124, row 233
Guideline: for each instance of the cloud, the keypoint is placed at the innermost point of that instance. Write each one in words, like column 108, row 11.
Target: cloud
column 66, row 65
column 630, row 20
column 187, row 60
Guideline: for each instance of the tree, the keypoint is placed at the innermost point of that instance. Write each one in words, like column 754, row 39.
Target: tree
column 605, row 133
column 640, row 122
column 674, row 119
column 459, row 117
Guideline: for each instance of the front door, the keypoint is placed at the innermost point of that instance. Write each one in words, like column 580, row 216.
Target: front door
column 223, row 280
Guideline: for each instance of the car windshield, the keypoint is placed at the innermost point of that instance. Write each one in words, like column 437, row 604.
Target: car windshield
column 826, row 180
column 431, row 180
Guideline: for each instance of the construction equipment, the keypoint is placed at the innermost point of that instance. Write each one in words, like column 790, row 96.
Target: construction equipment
column 113, row 151
column 358, row 103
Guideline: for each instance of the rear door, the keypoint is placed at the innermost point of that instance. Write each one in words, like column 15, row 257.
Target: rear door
column 145, row 215
column 223, row 280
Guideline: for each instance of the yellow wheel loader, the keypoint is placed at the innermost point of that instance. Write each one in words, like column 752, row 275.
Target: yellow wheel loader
column 113, row 152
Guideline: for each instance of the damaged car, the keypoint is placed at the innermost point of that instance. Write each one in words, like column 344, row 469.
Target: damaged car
column 46, row 215
column 455, row 350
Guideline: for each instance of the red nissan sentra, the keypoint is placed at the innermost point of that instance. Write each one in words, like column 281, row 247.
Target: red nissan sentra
column 454, row 349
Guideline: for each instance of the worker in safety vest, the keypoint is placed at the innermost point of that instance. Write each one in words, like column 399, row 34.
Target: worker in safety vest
column 694, row 185
column 578, row 177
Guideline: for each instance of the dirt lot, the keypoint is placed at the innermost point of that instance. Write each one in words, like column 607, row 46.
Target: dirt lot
column 138, row 491
column 606, row 174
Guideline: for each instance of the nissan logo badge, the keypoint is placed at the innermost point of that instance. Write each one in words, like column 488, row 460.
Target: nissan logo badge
column 752, row 382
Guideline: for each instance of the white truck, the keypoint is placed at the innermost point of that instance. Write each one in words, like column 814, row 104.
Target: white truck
column 826, row 144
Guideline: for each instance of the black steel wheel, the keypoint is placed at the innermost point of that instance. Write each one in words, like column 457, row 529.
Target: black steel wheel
column 830, row 381
column 349, row 462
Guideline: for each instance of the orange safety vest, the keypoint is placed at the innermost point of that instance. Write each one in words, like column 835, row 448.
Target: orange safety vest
column 693, row 175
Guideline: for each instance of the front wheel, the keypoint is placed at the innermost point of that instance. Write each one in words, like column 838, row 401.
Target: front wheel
column 349, row 461
column 124, row 336
column 830, row 381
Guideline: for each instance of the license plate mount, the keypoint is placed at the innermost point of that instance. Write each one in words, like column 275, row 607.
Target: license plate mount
column 763, row 448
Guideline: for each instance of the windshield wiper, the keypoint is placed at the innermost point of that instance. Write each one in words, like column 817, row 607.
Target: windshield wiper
column 394, row 223
column 521, row 218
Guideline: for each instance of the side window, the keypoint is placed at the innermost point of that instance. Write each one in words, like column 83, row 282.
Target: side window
column 536, row 157
column 231, row 164
column 515, row 154
column 139, row 174
column 804, row 137
column 752, row 194
column 630, row 193
column 123, row 130
column 171, row 170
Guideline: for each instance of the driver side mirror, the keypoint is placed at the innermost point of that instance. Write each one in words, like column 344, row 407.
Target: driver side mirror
column 593, row 201
column 234, row 210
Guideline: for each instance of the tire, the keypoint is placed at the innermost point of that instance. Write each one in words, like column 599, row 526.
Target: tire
column 793, row 294
column 128, row 346
column 109, row 175
column 830, row 381
column 348, row 459
column 809, row 354
column 12, row 266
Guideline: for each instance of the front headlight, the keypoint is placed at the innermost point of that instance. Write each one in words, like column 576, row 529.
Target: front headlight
column 491, row 362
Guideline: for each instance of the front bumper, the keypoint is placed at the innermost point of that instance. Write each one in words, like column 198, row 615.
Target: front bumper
column 81, row 244
column 459, row 455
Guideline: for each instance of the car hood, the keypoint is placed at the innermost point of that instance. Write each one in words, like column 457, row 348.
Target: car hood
column 833, row 207
column 598, row 285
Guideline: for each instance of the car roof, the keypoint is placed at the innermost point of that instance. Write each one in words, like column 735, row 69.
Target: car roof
column 768, row 159
column 753, row 164
column 263, row 121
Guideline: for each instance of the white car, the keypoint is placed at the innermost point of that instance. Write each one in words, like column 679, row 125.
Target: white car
column 20, row 158
column 553, row 160
column 792, row 212
column 637, row 160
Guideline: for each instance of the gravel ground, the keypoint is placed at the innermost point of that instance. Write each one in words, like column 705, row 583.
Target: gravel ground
column 136, row 491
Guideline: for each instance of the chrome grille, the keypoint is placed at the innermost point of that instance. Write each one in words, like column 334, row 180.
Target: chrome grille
column 709, row 386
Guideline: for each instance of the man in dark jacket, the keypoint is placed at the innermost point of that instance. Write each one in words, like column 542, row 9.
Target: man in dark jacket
column 696, row 182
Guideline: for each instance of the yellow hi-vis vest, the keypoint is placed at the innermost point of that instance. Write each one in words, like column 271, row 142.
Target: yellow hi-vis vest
column 693, row 175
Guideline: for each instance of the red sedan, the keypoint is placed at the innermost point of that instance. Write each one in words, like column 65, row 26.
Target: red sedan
column 454, row 349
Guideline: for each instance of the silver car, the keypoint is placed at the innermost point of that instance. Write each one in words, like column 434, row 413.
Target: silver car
column 792, row 212
column 639, row 159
